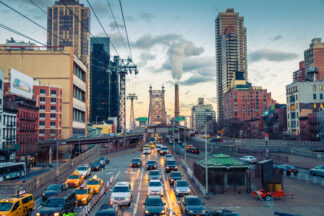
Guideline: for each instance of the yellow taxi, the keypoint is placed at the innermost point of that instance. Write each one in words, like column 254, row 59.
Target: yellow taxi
column 95, row 184
column 151, row 145
column 74, row 180
column 189, row 146
column 83, row 195
column 206, row 136
column 22, row 204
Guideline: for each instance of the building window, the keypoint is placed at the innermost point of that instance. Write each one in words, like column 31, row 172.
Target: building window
column 321, row 96
column 42, row 100
column 53, row 100
column 53, row 108
column 42, row 115
column 314, row 96
column 53, row 132
column 43, row 91
column 53, row 116
column 42, row 123
column 41, row 132
column 42, row 107
column 53, row 92
column 53, row 124
column 314, row 87
column 320, row 87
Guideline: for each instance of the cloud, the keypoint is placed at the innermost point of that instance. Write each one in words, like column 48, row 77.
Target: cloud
column 277, row 37
column 187, row 92
column 147, row 41
column 271, row 55
column 186, row 105
column 145, row 57
column 146, row 16
column 212, row 99
column 195, row 80
column 116, row 25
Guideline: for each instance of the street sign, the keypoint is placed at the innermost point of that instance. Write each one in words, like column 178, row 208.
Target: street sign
column 180, row 118
column 142, row 119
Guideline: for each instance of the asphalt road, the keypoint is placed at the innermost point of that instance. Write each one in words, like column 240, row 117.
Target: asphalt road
column 138, row 178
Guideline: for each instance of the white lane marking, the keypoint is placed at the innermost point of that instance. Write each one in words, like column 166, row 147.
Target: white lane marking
column 108, row 173
column 139, row 191
column 117, row 174
column 167, row 192
column 130, row 172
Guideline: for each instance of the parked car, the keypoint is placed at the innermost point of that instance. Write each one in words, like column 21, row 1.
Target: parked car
column 84, row 170
column 181, row 188
column 96, row 166
column 108, row 210
column 248, row 159
column 170, row 165
column 319, row 170
column 154, row 174
column 136, row 162
column 121, row 194
column 174, row 176
column 151, row 164
column 192, row 205
column 155, row 187
column 287, row 168
column 58, row 204
column 52, row 190
column 104, row 160
column 154, row 205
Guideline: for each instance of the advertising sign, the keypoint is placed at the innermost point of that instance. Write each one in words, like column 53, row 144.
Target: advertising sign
column 21, row 84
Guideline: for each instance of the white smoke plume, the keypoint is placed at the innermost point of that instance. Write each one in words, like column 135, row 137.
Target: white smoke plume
column 176, row 53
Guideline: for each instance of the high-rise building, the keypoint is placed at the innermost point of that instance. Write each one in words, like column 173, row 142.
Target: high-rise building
column 314, row 57
column 231, row 53
column 201, row 114
column 100, row 92
column 1, row 108
column 59, row 68
column 300, row 75
column 49, row 100
column 68, row 24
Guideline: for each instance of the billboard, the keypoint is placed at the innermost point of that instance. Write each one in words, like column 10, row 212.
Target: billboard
column 21, row 84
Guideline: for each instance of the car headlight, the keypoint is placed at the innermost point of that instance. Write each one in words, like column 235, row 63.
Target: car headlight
column 43, row 194
column 56, row 214
column 37, row 214
column 176, row 167
column 84, row 198
column 204, row 211
column 162, row 212
column 167, row 167
column 127, row 198
column 190, row 211
column 147, row 212
column 177, row 190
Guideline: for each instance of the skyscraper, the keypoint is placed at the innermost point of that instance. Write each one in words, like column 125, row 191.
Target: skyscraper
column 231, row 53
column 314, row 57
column 68, row 24
column 99, row 79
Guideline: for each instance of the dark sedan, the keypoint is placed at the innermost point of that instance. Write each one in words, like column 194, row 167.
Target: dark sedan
column 170, row 165
column 108, row 210
column 154, row 206
column 174, row 176
column 288, row 169
column 192, row 149
column 151, row 164
column 192, row 205
column 53, row 190
column 96, row 166
column 136, row 162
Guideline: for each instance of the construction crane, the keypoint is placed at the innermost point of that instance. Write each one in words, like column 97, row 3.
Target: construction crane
column 122, row 67
column 131, row 97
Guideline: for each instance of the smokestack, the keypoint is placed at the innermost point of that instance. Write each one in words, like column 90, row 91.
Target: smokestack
column 176, row 100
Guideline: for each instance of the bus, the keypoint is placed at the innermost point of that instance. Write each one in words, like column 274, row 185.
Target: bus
column 11, row 170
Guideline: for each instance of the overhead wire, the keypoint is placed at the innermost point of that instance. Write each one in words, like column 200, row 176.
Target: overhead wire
column 125, row 27
column 116, row 24
column 93, row 11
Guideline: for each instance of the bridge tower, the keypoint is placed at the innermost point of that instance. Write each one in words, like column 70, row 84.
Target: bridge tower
column 131, row 97
column 157, row 114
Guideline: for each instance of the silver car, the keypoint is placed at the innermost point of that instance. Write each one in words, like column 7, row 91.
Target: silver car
column 319, row 170
column 154, row 174
column 181, row 188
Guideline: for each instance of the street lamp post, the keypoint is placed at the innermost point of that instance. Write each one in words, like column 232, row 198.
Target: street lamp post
column 206, row 161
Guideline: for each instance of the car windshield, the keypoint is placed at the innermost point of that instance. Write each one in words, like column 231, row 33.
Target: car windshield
column 151, row 162
column 102, row 158
column 136, row 160
column 95, row 164
column 54, row 187
column 175, row 174
column 164, row 148
column 106, row 213
column 154, row 202
column 93, row 182
column 120, row 189
column 171, row 163
column 82, row 168
column 54, row 202
column 182, row 184
column 154, row 172
column 193, row 201
column 74, row 177
column 5, row 206
column 168, row 156
column 155, row 184
column 81, row 191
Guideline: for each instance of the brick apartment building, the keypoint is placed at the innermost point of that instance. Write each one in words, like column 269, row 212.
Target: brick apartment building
column 49, row 101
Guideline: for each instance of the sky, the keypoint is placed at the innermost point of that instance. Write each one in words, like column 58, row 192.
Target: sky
column 179, row 35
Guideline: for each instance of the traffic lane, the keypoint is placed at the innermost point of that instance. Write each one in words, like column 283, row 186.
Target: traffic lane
column 125, row 173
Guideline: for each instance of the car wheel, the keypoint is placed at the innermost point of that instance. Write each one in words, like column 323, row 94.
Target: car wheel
column 29, row 212
column 268, row 198
column 312, row 173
